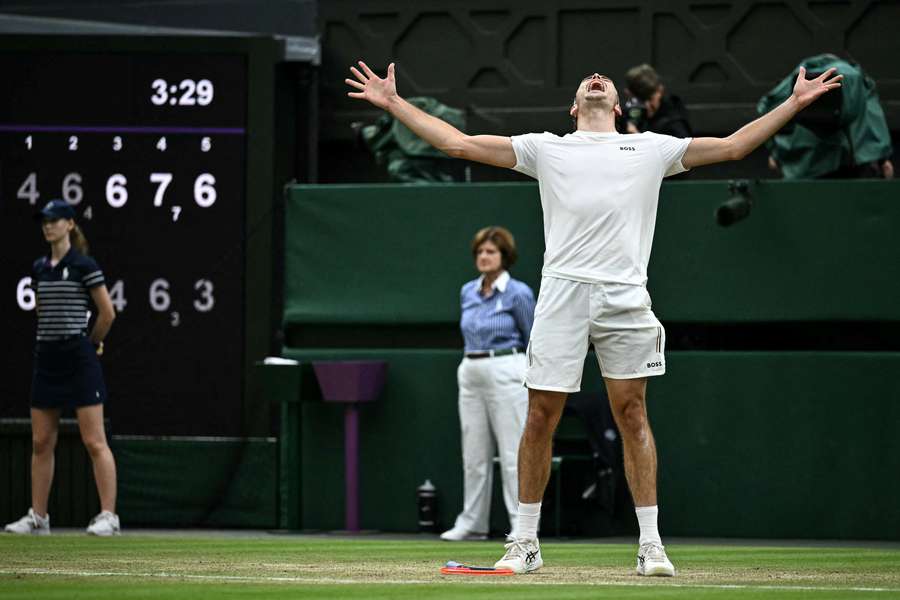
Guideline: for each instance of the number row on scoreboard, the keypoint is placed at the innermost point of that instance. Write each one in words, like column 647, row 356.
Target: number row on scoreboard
column 117, row 189
column 159, row 295
column 116, row 143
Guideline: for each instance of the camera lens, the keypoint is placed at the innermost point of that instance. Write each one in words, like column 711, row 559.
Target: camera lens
column 733, row 210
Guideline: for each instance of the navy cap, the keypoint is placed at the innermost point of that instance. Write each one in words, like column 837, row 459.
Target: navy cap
column 56, row 209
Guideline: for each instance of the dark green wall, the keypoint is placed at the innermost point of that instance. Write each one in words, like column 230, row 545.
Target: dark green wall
column 175, row 482
column 184, row 482
column 784, row 445
column 73, row 499
column 398, row 254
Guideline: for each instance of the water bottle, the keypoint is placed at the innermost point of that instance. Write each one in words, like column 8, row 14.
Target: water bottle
column 426, row 495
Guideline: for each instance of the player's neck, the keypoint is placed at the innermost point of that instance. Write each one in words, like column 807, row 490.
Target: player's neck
column 597, row 122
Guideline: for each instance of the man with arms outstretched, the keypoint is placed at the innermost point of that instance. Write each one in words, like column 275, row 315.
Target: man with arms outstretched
column 599, row 192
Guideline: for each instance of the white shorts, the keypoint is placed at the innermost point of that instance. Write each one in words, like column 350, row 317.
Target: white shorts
column 616, row 318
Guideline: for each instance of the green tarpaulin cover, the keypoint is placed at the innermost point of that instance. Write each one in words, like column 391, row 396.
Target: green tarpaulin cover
column 408, row 157
column 817, row 143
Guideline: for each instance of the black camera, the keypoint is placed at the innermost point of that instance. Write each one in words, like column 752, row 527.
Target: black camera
column 635, row 112
column 737, row 206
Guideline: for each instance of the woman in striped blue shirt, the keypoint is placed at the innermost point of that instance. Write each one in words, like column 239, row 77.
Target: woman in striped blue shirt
column 497, row 313
column 67, row 371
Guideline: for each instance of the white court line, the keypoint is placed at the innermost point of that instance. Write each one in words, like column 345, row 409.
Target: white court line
column 524, row 580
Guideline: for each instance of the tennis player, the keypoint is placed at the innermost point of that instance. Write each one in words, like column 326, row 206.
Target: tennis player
column 599, row 192
column 67, row 372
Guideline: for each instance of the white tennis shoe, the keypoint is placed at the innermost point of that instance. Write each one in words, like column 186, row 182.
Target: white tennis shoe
column 522, row 556
column 30, row 524
column 653, row 562
column 461, row 534
column 104, row 524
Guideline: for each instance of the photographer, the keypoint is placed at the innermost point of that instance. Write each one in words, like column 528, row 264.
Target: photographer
column 649, row 108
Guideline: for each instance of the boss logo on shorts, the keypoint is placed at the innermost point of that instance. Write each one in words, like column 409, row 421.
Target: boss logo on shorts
column 629, row 148
column 653, row 365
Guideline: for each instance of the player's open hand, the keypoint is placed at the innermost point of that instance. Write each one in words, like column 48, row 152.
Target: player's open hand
column 807, row 91
column 371, row 87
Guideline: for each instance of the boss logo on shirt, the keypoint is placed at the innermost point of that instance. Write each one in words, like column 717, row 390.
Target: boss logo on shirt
column 629, row 148
column 652, row 365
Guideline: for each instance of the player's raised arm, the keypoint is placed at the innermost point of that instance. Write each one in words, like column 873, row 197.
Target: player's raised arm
column 708, row 150
column 488, row 149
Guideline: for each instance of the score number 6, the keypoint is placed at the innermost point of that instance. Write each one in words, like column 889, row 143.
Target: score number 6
column 25, row 294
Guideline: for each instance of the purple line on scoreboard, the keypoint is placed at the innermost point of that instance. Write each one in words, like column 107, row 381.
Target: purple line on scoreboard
column 121, row 129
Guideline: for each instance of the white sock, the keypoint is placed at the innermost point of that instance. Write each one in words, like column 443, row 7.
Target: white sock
column 527, row 524
column 646, row 516
column 38, row 518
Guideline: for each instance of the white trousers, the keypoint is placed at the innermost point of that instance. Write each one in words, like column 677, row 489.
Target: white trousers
column 493, row 405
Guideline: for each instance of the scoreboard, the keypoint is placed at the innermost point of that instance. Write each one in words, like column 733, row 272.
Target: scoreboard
column 148, row 141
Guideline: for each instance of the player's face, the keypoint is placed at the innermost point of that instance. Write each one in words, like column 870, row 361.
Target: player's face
column 596, row 85
column 596, row 89
column 56, row 229
column 488, row 258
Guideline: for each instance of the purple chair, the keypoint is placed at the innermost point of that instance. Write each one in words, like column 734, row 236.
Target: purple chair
column 351, row 382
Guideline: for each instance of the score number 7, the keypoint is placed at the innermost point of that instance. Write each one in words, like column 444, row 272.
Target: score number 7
column 163, row 179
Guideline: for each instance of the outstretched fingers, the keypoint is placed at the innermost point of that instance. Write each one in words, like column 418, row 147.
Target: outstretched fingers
column 369, row 72
column 354, row 83
column 826, row 74
column 369, row 86
column 359, row 75
column 358, row 83
column 834, row 81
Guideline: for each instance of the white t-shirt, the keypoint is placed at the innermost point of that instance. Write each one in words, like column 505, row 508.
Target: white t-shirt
column 599, row 193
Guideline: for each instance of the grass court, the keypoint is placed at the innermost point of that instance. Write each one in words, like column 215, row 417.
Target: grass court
column 257, row 565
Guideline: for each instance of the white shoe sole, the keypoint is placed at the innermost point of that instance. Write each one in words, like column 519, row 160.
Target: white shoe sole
column 524, row 571
column 657, row 571
column 472, row 537
column 32, row 532
column 104, row 534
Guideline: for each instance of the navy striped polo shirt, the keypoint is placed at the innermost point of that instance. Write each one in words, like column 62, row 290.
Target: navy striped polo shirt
column 62, row 295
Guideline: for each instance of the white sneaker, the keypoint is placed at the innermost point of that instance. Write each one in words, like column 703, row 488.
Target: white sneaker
column 30, row 524
column 522, row 556
column 104, row 524
column 460, row 534
column 652, row 561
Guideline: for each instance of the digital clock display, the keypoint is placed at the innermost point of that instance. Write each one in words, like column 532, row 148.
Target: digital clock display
column 186, row 93
column 150, row 150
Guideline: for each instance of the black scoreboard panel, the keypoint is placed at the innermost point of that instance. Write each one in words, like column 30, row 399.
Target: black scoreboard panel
column 150, row 148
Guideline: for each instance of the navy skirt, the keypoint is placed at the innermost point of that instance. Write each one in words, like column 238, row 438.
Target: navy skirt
column 67, row 374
